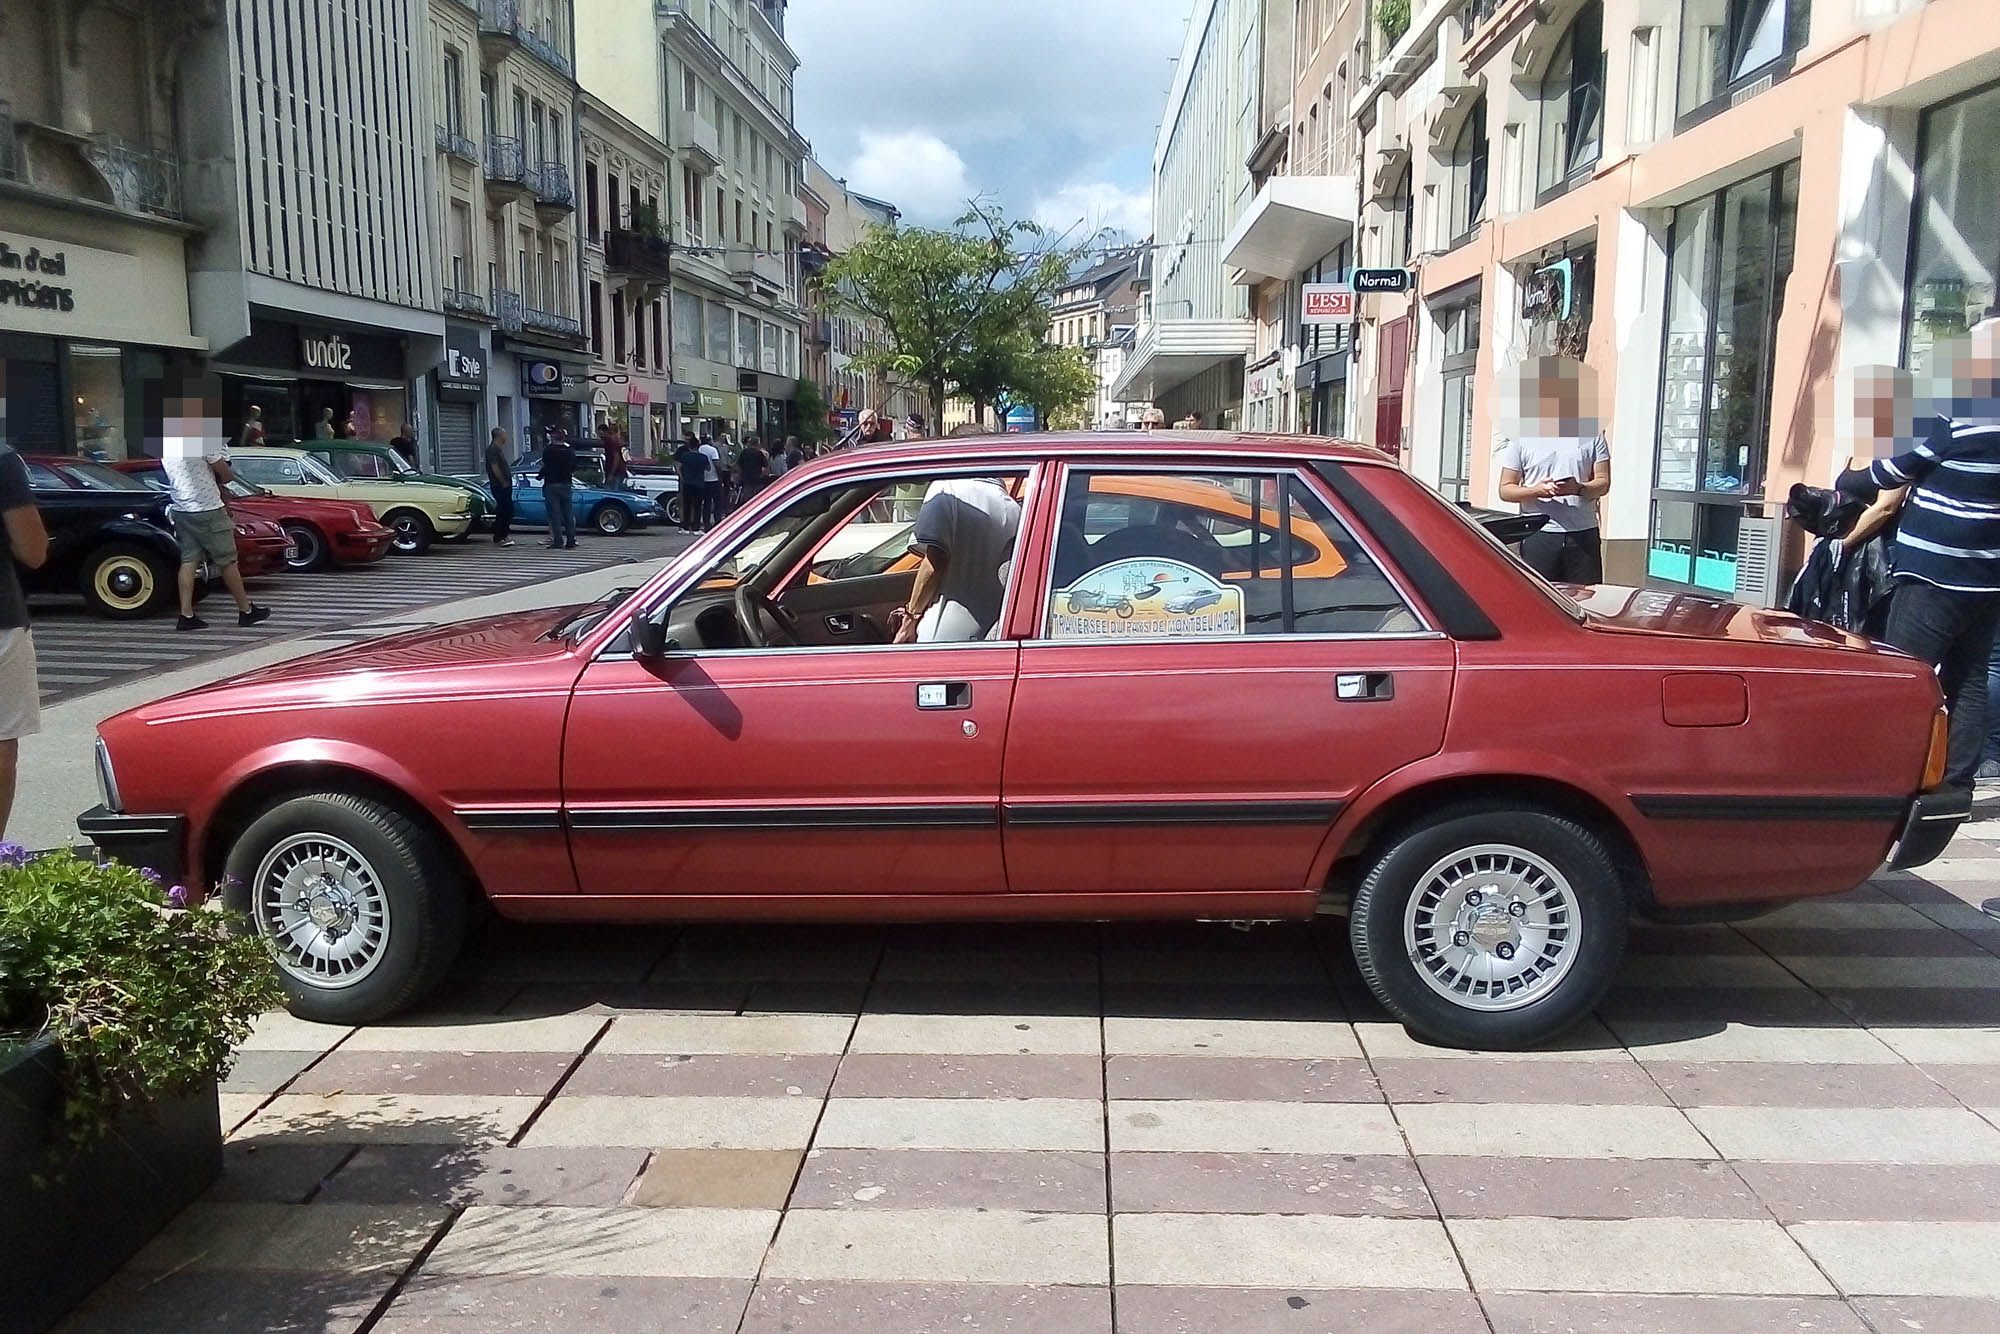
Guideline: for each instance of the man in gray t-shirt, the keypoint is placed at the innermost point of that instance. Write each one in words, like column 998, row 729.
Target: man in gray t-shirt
column 964, row 533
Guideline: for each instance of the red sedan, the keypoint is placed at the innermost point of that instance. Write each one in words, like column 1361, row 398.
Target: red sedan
column 260, row 543
column 1126, row 706
column 319, row 533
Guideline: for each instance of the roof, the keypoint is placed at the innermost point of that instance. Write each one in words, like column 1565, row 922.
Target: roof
column 1083, row 444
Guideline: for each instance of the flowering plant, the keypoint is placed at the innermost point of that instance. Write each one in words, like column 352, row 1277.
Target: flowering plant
column 144, row 998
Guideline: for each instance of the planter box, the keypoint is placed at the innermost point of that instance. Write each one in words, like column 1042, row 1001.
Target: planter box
column 59, row 1241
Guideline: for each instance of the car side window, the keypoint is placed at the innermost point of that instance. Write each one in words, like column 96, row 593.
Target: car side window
column 269, row 471
column 1217, row 555
column 45, row 479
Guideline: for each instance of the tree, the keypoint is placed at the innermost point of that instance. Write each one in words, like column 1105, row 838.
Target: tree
column 814, row 428
column 1057, row 382
column 958, row 304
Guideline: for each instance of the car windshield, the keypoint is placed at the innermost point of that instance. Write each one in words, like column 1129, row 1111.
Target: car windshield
column 241, row 489
column 97, row 477
column 317, row 473
column 586, row 618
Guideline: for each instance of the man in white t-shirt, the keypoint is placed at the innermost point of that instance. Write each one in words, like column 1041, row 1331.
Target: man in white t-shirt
column 711, row 483
column 964, row 534
column 196, row 463
column 1554, row 461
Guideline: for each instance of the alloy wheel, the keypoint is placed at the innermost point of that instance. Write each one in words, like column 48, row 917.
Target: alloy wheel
column 1492, row 927
column 321, row 906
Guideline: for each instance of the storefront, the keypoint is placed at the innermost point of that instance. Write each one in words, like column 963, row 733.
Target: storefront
column 312, row 380
column 1325, row 351
column 717, row 410
column 553, row 393
column 1729, row 255
column 88, row 334
column 455, row 444
column 1955, row 254
column 1263, row 392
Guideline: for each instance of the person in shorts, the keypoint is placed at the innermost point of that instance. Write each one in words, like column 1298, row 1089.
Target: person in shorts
column 196, row 463
column 20, row 696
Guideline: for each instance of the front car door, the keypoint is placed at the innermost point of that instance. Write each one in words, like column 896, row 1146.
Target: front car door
column 828, row 774
column 1219, row 663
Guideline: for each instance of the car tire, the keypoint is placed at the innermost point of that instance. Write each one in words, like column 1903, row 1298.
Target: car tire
column 126, row 581
column 672, row 509
column 1459, row 963
column 414, row 533
column 396, row 893
column 611, row 519
column 309, row 549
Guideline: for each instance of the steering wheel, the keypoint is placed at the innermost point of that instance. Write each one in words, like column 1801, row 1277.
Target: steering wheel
column 752, row 607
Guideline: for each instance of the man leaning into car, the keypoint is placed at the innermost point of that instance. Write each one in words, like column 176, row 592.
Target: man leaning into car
column 963, row 535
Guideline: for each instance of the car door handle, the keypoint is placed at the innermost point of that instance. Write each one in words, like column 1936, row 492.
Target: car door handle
column 944, row 695
column 841, row 624
column 1364, row 687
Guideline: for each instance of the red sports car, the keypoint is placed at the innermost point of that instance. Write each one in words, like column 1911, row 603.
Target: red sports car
column 319, row 532
column 1491, row 775
column 260, row 543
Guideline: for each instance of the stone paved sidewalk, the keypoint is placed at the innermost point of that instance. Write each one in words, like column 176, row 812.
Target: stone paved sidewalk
column 1789, row 1126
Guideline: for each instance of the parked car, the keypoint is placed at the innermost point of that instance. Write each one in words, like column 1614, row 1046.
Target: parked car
column 260, row 543
column 374, row 461
column 661, row 482
column 416, row 512
column 113, row 547
column 599, row 507
column 1487, row 774
column 319, row 533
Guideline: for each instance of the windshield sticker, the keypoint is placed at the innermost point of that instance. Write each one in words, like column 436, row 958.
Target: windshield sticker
column 1146, row 597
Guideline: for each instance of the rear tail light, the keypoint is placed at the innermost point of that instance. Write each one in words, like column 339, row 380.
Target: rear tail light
column 1940, row 744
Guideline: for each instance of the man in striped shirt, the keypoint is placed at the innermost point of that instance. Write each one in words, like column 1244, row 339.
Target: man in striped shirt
column 1946, row 605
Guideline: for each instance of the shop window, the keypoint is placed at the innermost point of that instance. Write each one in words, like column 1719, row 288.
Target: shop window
column 746, row 342
column 1469, row 160
column 1728, row 46
column 97, row 399
column 1174, row 555
column 1572, row 105
column 1729, row 257
column 720, row 321
column 1399, row 230
column 1956, row 253
column 1458, row 332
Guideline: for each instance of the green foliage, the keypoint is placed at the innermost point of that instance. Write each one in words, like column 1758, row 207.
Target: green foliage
column 1057, row 382
column 1393, row 17
column 812, row 409
column 145, row 1000
column 646, row 222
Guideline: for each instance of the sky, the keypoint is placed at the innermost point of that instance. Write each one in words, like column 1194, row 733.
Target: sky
column 1046, row 106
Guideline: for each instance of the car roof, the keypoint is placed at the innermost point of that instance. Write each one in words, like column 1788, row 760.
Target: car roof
column 1077, row 444
column 278, row 451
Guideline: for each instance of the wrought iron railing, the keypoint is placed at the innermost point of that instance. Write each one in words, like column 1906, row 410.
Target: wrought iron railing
column 503, row 17
column 637, row 252
column 452, row 142
column 548, row 322
column 508, row 307
column 464, row 303
column 142, row 179
column 1473, row 13
column 550, row 182
column 10, row 154
column 505, row 161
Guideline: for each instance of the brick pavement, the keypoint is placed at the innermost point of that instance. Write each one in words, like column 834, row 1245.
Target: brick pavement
column 1789, row 1125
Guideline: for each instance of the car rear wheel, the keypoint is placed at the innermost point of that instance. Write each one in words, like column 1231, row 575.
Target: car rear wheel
column 672, row 509
column 125, row 581
column 414, row 533
column 1490, row 928
column 611, row 519
column 308, row 549
column 358, row 903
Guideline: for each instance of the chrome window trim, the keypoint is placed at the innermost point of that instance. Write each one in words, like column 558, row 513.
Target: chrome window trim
column 1099, row 641
column 107, row 779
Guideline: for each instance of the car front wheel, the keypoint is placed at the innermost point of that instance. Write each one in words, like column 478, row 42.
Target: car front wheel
column 307, row 549
column 612, row 519
column 358, row 903
column 124, row 581
column 414, row 533
column 1490, row 928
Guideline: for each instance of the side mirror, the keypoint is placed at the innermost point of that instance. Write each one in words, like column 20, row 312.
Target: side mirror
column 649, row 639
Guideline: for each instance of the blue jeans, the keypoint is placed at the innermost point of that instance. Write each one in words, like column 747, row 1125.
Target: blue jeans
column 1992, row 751
column 562, row 512
column 1953, row 632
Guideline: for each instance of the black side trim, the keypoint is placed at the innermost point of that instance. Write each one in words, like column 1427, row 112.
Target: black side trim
column 501, row 822
column 1461, row 617
column 1934, row 818
column 1103, row 813
column 787, row 817
column 1857, row 809
column 152, row 841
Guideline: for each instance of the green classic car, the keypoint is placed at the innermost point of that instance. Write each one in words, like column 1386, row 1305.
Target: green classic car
column 373, row 461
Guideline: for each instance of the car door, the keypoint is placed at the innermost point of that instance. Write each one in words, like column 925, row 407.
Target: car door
column 1198, row 704
column 826, row 777
column 529, row 506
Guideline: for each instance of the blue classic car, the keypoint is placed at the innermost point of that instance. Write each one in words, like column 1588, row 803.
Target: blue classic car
column 598, row 507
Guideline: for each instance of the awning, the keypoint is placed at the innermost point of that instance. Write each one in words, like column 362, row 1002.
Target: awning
column 1174, row 351
column 1291, row 224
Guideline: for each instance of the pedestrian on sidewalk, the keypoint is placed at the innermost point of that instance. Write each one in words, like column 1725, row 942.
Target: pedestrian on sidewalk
column 692, row 466
column 500, row 477
column 20, row 693
column 711, row 484
column 405, row 444
column 196, row 464
column 795, row 453
column 1946, row 564
column 753, row 467
column 558, row 477
column 1554, row 461
column 614, row 460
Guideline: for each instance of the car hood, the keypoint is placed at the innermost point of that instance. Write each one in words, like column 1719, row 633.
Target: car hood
column 1698, row 616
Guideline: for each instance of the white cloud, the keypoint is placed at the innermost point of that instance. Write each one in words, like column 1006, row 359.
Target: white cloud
column 915, row 170
column 1091, row 206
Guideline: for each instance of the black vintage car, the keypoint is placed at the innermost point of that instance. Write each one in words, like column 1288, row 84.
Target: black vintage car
column 115, row 547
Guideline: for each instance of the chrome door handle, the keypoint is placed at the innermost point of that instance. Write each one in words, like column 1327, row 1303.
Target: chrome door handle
column 944, row 695
column 1364, row 687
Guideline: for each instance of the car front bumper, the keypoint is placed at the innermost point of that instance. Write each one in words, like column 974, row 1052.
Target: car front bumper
column 156, row 842
column 1932, row 820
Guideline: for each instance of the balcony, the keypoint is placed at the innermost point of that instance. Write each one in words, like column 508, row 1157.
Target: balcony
column 700, row 143
column 757, row 270
column 1173, row 352
column 501, row 31
column 553, row 196
column 10, row 152
column 644, row 254
column 506, row 170
column 1293, row 221
column 820, row 332
column 141, row 179
column 457, row 145
column 507, row 308
column 792, row 215
column 463, row 303
column 547, row 322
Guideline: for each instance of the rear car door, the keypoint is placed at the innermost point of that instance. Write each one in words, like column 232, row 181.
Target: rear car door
column 1220, row 664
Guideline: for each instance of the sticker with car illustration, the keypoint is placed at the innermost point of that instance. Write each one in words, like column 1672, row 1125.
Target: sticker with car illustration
column 1146, row 597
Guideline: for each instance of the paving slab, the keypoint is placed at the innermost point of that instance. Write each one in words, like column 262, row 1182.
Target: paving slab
column 1904, row 1258
column 676, row 1123
column 1029, row 1181
column 565, row 1304
column 628, row 1241
column 1518, row 1130
column 1650, row 1255
column 1358, row 1185
column 390, row 1118
column 961, row 1123
column 408, row 1173
column 1188, row 1126
column 941, row 1246
column 1626, row 1313
column 1289, row 1251
column 798, row 1307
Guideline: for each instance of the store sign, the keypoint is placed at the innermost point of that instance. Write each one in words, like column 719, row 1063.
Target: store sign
column 77, row 291
column 680, row 394
column 1326, row 303
column 33, row 279
column 1383, row 280
column 715, row 403
column 326, row 352
column 464, row 368
column 542, row 379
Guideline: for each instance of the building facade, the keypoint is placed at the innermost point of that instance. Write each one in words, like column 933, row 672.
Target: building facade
column 627, row 269
column 849, row 389
column 1098, row 312
column 94, row 230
